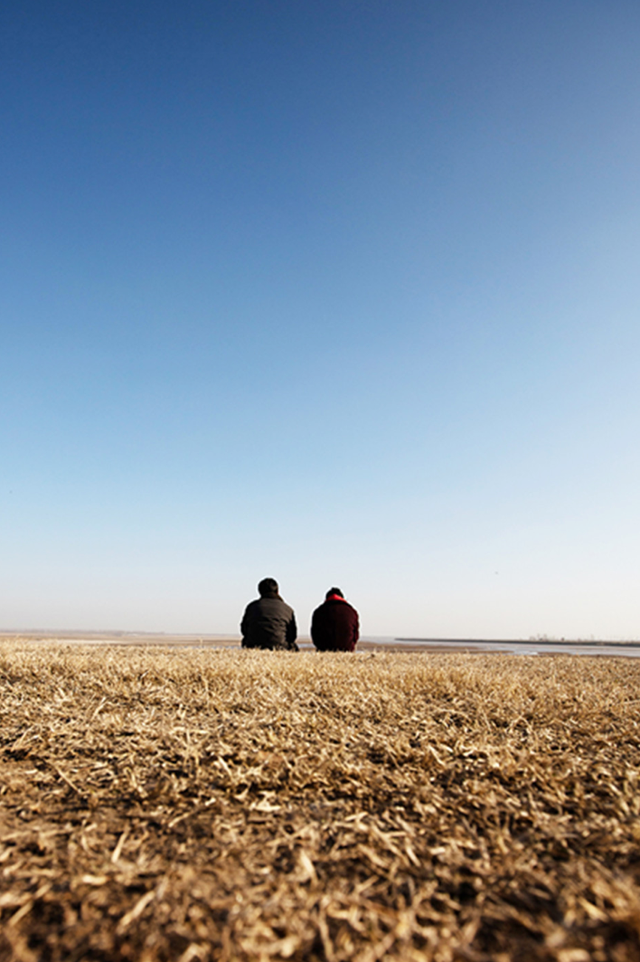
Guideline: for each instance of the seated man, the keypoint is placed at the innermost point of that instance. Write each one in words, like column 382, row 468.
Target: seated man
column 269, row 622
column 334, row 625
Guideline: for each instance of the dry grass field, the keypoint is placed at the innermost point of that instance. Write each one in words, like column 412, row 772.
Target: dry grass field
column 228, row 805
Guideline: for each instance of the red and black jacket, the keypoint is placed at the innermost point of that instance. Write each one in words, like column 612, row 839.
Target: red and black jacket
column 335, row 625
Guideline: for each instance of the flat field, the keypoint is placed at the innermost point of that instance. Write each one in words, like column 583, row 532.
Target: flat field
column 228, row 805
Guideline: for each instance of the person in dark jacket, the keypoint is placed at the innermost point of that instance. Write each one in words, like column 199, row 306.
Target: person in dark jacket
column 335, row 625
column 269, row 622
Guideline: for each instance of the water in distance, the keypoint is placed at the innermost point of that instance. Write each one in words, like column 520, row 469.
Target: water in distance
column 537, row 646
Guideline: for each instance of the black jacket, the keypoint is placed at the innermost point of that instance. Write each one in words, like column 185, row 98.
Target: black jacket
column 335, row 626
column 269, row 623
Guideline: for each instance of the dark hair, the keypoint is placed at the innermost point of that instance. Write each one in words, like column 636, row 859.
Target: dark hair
column 268, row 588
column 334, row 591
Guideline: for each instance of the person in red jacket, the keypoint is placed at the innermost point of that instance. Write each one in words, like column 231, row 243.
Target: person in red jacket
column 335, row 625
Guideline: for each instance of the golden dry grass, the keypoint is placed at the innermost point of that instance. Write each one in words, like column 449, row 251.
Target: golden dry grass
column 229, row 805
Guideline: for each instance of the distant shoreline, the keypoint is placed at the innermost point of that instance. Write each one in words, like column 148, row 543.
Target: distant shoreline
column 534, row 642
column 128, row 639
column 105, row 634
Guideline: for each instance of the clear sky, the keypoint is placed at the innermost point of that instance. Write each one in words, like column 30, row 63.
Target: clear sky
column 331, row 291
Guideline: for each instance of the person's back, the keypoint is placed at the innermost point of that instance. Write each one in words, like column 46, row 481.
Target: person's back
column 269, row 622
column 335, row 624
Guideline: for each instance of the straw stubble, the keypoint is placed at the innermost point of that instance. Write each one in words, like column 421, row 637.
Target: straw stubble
column 229, row 805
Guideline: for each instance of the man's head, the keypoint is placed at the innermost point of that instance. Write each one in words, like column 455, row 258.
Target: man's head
column 268, row 588
column 334, row 591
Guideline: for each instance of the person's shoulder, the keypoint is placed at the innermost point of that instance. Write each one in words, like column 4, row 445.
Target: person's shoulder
column 278, row 604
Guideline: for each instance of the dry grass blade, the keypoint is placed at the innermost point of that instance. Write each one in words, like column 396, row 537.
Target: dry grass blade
column 227, row 805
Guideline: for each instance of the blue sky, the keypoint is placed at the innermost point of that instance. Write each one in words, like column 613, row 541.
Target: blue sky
column 336, row 292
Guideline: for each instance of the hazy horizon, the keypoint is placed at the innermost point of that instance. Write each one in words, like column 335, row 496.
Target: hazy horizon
column 303, row 636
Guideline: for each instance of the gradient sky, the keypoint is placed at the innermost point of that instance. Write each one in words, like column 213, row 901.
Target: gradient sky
column 331, row 291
